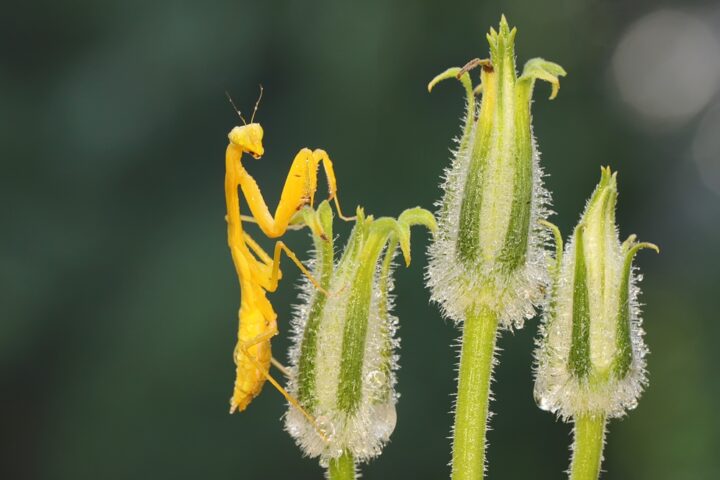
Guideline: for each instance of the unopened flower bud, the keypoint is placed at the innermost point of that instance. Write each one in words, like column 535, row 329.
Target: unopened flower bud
column 591, row 356
column 489, row 252
column 344, row 359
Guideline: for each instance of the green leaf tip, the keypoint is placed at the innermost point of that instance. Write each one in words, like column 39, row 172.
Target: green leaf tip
column 541, row 69
column 409, row 218
column 631, row 246
column 452, row 72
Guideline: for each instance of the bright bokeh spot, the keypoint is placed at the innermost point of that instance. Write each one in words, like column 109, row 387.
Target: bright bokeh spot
column 667, row 67
column 706, row 149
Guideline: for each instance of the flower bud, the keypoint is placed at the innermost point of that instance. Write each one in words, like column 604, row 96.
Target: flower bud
column 489, row 252
column 591, row 356
column 344, row 359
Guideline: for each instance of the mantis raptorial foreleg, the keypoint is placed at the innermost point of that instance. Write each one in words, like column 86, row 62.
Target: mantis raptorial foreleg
column 299, row 190
column 321, row 155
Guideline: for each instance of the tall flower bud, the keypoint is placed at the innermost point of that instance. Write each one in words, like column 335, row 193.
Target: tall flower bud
column 344, row 359
column 590, row 360
column 489, row 252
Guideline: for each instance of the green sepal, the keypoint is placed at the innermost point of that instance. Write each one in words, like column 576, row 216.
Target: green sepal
column 367, row 243
column 624, row 356
column 579, row 359
column 558, row 246
column 323, row 218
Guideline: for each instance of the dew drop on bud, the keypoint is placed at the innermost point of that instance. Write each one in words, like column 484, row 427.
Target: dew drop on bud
column 384, row 421
column 325, row 427
column 376, row 379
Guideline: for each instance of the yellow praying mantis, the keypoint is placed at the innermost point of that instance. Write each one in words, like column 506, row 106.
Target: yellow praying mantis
column 257, row 272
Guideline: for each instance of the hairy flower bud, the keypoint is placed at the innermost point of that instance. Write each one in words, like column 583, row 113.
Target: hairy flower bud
column 489, row 252
column 343, row 362
column 591, row 356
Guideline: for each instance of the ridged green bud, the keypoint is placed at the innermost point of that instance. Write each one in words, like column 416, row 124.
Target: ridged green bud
column 591, row 355
column 344, row 358
column 490, row 250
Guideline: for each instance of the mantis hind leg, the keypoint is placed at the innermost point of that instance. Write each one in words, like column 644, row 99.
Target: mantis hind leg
column 275, row 275
column 245, row 349
column 274, row 263
column 283, row 369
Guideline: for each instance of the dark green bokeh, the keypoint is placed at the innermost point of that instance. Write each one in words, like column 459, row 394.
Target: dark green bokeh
column 120, row 300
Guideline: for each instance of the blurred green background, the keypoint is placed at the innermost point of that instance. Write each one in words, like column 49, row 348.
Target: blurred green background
column 119, row 296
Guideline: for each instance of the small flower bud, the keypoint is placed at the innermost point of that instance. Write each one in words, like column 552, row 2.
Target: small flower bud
column 344, row 359
column 591, row 356
column 489, row 252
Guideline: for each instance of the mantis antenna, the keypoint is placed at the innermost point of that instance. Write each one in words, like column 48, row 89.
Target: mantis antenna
column 238, row 111
column 256, row 104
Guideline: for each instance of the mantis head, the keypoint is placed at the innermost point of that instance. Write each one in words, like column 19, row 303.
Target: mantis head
column 248, row 138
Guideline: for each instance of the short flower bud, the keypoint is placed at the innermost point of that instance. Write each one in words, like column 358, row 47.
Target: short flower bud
column 489, row 252
column 591, row 356
column 344, row 359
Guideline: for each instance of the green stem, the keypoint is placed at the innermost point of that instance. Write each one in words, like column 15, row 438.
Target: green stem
column 588, row 447
column 471, row 414
column 342, row 468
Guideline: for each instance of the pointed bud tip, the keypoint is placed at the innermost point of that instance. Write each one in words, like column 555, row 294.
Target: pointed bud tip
column 607, row 175
column 504, row 26
column 608, row 182
column 504, row 32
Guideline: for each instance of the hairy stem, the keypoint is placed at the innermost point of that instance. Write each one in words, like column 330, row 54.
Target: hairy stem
column 588, row 447
column 473, row 398
column 342, row 468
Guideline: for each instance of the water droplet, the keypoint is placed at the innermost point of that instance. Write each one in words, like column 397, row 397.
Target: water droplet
column 544, row 403
column 326, row 427
column 376, row 379
column 384, row 421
